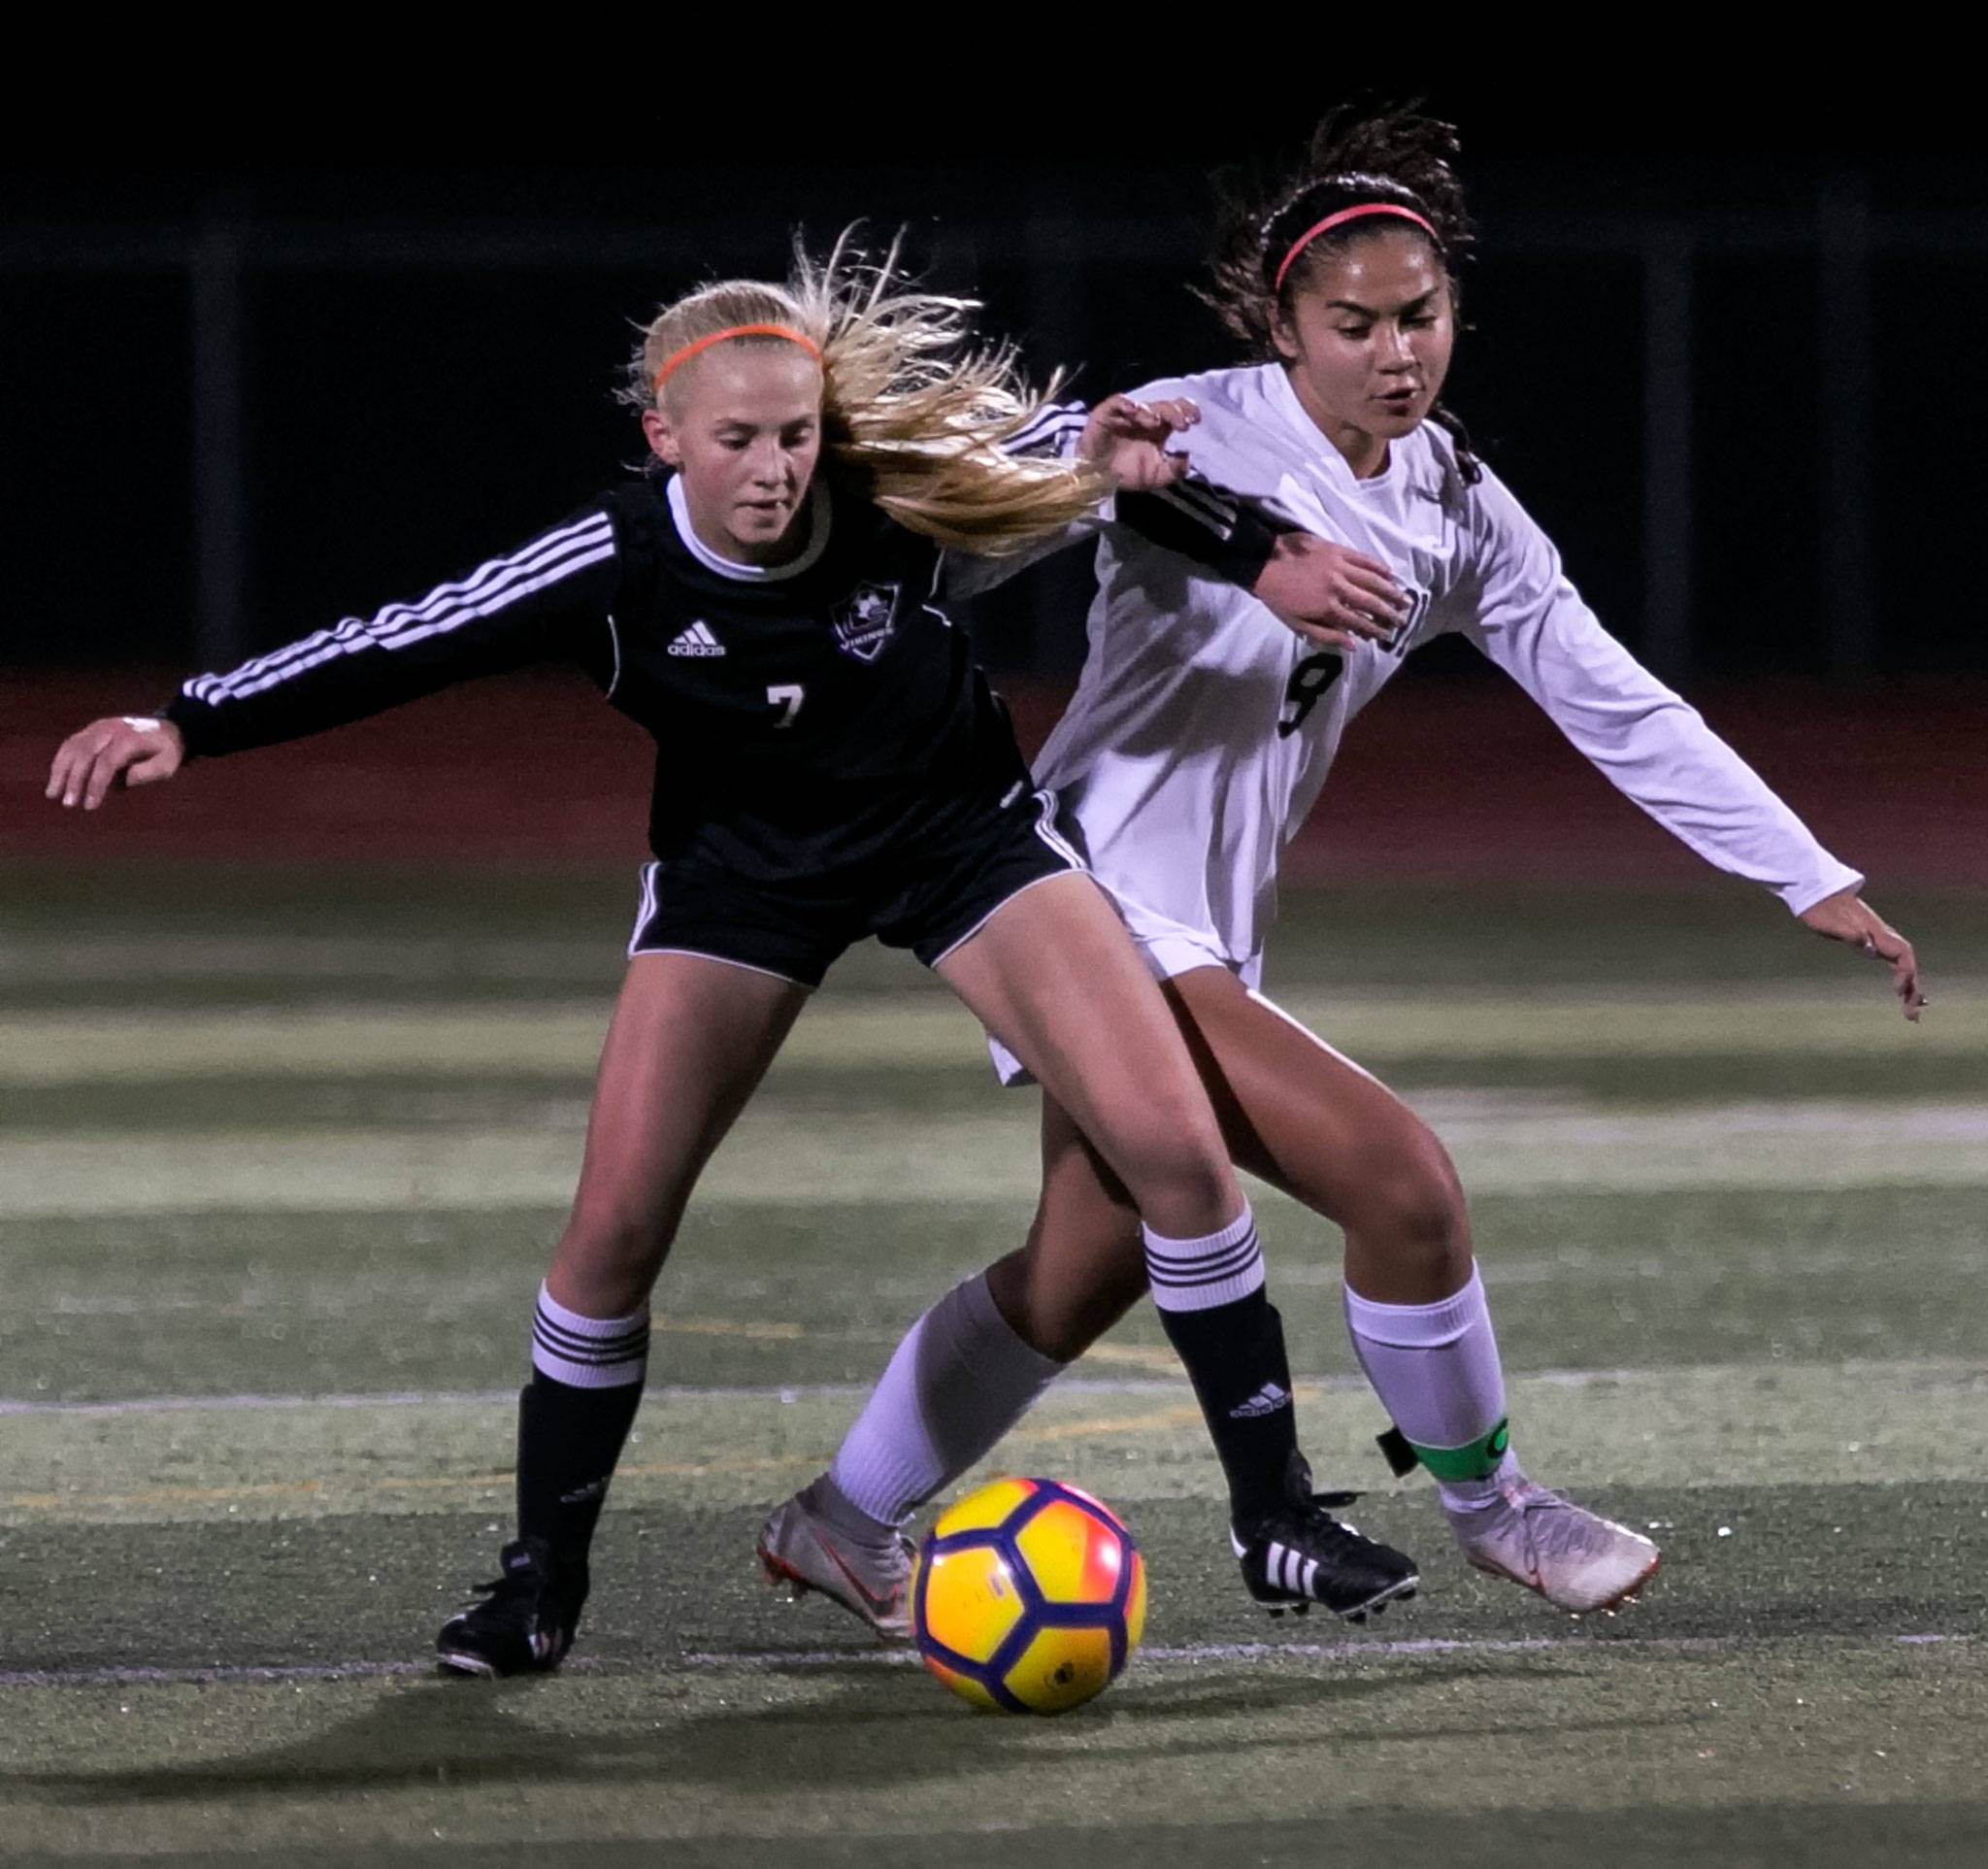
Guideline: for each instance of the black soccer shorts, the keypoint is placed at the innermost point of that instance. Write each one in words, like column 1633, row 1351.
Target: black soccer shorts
column 929, row 899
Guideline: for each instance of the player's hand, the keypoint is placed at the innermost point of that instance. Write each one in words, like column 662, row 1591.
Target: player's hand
column 1127, row 439
column 1329, row 593
column 125, row 749
column 1845, row 916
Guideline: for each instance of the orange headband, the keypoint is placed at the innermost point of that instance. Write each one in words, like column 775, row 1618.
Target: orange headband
column 691, row 349
column 1364, row 208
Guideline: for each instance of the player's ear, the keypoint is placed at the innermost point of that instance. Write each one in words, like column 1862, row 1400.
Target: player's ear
column 662, row 438
column 1284, row 334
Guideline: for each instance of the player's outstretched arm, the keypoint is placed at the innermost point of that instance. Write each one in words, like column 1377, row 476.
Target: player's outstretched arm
column 109, row 754
column 551, row 600
column 1848, row 918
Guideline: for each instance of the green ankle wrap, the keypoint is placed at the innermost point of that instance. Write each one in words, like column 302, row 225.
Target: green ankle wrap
column 1470, row 1461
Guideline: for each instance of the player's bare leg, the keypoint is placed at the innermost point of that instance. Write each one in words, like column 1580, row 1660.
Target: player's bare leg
column 1314, row 1123
column 1295, row 1114
column 1084, row 1265
column 689, row 1041
column 1053, row 977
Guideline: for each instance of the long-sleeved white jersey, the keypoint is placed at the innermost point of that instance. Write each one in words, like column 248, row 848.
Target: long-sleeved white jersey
column 1202, row 728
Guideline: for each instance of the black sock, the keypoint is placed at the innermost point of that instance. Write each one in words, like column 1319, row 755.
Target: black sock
column 1234, row 1357
column 568, row 1442
column 1210, row 1294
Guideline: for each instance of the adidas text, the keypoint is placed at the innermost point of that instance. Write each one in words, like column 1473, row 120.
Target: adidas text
column 697, row 640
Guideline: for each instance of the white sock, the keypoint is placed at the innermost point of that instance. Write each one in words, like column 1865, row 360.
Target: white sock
column 589, row 1352
column 956, row 1383
column 1202, row 1274
column 1436, row 1369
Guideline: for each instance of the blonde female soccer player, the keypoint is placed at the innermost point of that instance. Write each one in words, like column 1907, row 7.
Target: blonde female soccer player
column 1199, row 738
column 831, row 457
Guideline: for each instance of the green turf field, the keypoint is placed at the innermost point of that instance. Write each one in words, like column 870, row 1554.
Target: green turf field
column 281, row 1159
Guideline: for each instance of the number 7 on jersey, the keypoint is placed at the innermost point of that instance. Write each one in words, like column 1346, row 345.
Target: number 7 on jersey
column 787, row 696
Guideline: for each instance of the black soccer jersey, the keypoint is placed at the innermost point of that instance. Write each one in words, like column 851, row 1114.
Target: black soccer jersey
column 806, row 716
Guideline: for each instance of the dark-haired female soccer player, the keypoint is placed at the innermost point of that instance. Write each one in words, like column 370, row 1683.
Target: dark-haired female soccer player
column 1199, row 735
column 835, row 457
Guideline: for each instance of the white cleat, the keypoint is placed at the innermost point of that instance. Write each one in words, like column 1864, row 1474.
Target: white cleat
column 799, row 1545
column 1576, row 1559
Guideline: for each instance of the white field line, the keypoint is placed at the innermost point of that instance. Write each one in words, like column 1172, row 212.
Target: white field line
column 174, row 1677
column 301, row 961
column 919, row 1029
column 142, row 1405
column 1941, row 1372
column 1672, row 1432
column 777, row 1157
column 1353, row 1649
column 766, row 1660
column 1287, row 1271
column 158, row 1044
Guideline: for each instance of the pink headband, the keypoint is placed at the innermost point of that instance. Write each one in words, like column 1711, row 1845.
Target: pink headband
column 1364, row 208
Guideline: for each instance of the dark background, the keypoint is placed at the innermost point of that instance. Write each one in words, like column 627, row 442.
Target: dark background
column 421, row 332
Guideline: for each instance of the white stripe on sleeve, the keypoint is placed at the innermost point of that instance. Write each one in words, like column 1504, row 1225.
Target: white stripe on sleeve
column 490, row 588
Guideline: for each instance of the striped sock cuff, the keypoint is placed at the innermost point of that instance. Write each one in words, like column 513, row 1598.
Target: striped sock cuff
column 1198, row 1275
column 589, row 1352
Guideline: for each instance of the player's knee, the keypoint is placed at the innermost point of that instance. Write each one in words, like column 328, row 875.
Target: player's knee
column 1416, row 1206
column 1062, row 1336
column 1188, row 1195
column 1176, row 1156
column 1406, row 1205
column 616, row 1247
column 1063, row 1322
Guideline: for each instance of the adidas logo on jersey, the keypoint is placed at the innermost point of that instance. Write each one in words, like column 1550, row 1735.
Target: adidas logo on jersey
column 1266, row 1400
column 697, row 640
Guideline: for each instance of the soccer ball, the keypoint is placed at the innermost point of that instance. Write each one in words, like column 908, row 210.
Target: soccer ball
column 1028, row 1597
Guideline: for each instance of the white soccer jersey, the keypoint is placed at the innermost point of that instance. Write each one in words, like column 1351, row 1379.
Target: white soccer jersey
column 1202, row 728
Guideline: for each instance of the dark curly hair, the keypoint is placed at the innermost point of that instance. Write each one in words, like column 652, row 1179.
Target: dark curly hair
column 1358, row 155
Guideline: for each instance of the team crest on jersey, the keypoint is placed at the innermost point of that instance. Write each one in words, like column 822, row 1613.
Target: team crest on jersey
column 864, row 619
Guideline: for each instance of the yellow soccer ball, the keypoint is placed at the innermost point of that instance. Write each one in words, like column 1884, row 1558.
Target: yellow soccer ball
column 1028, row 1597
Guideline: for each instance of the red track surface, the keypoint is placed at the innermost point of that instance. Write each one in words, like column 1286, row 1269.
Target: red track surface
column 1439, row 780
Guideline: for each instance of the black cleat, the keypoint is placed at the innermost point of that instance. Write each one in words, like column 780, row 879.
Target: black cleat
column 525, row 1623
column 1300, row 1554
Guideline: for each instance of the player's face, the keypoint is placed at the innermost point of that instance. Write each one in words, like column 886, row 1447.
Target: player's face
column 741, row 424
column 1368, row 339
